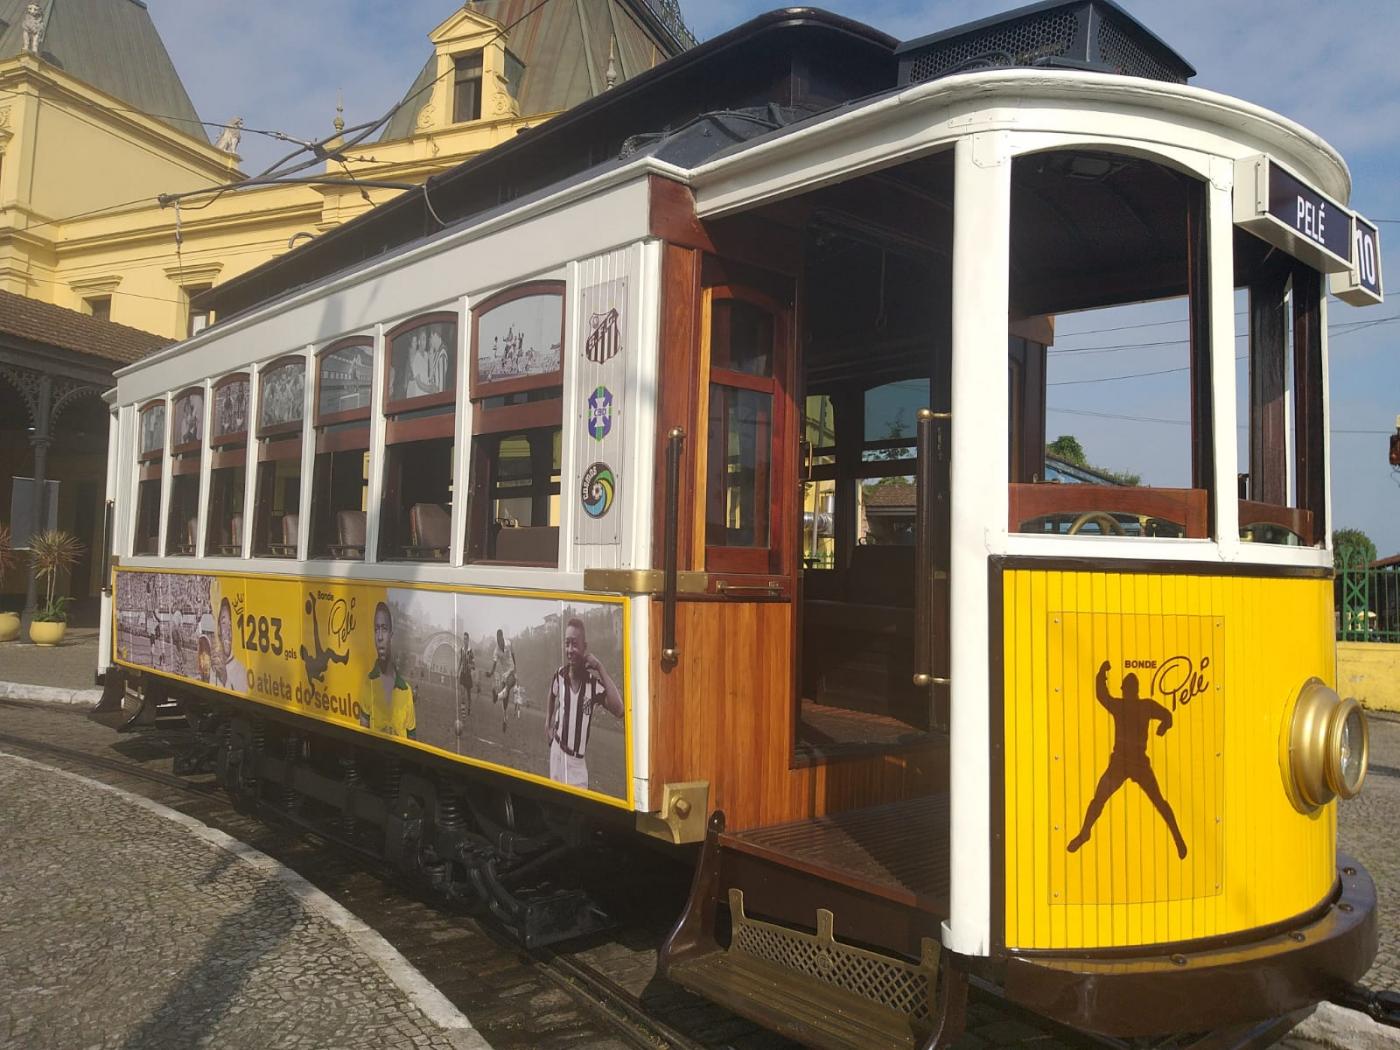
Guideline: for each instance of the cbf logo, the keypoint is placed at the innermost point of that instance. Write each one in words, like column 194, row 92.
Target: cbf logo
column 600, row 413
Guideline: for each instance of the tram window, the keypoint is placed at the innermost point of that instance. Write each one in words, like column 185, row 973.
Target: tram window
column 515, row 497
column 281, row 414
column 420, row 408
column 340, row 477
column 885, row 490
column 150, row 453
column 186, row 442
column 1109, row 425
column 228, row 443
column 744, row 428
column 517, row 398
column 1279, row 391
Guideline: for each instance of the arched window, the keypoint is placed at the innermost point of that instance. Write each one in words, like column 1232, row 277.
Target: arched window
column 419, row 446
column 228, row 463
column 186, row 444
column 150, row 455
column 340, row 480
column 281, row 416
column 517, row 397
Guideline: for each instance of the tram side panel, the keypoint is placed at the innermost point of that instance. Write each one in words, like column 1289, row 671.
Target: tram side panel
column 470, row 674
column 1145, row 742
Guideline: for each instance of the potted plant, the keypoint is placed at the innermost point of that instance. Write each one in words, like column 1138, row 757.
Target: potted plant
column 52, row 552
column 9, row 621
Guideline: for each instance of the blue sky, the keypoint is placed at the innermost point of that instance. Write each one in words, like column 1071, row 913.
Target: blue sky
column 1332, row 67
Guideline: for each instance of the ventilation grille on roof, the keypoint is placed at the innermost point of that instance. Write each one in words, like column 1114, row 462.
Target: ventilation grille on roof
column 1096, row 35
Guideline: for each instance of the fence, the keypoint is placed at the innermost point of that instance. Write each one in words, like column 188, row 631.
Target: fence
column 1368, row 604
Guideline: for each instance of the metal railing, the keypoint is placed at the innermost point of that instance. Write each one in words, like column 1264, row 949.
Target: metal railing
column 1368, row 604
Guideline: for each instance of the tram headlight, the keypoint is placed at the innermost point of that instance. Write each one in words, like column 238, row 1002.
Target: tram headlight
column 1328, row 747
column 1349, row 749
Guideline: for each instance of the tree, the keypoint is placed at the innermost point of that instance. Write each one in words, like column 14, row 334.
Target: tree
column 1068, row 448
column 1353, row 549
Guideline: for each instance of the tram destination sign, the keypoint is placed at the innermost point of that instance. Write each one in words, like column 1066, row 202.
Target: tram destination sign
column 1362, row 285
column 1279, row 207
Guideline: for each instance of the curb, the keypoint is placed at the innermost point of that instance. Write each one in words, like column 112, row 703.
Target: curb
column 404, row 976
column 1338, row 1028
column 47, row 694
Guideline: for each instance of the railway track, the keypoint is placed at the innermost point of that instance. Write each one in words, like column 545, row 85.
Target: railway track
column 607, row 978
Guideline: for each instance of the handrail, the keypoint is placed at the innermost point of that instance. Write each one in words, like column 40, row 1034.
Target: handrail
column 670, row 654
column 931, row 480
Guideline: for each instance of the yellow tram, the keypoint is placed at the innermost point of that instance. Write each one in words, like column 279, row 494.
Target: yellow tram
column 694, row 475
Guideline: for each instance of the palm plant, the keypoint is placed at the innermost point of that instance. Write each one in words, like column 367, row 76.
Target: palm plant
column 7, row 551
column 53, row 552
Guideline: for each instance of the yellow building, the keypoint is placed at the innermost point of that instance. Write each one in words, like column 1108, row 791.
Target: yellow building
column 91, row 137
column 98, row 137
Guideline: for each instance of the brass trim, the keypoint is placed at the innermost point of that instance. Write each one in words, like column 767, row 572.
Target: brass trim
column 682, row 816
column 641, row 581
column 1307, row 774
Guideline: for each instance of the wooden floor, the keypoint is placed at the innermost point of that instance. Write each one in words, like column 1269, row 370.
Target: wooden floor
column 898, row 851
column 823, row 727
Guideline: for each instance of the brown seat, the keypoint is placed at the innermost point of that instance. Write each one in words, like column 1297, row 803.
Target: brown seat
column 350, row 528
column 232, row 545
column 288, row 547
column 536, row 545
column 430, row 526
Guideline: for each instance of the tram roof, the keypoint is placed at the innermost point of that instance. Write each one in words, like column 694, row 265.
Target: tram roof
column 775, row 76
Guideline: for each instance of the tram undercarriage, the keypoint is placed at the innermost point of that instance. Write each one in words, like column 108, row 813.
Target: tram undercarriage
column 474, row 845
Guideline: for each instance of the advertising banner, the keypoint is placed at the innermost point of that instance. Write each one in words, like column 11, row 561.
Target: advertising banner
column 527, row 683
column 603, row 356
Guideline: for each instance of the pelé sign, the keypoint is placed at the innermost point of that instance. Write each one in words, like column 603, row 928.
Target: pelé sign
column 1279, row 207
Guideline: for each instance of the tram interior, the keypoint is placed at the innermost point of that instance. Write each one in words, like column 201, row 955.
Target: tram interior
column 874, row 318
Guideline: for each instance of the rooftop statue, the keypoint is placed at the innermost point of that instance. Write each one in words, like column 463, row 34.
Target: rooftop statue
column 33, row 29
column 232, row 135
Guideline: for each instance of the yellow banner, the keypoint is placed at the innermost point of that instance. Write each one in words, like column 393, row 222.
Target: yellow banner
column 522, row 682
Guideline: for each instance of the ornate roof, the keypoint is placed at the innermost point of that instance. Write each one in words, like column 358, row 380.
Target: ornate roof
column 113, row 46
column 564, row 47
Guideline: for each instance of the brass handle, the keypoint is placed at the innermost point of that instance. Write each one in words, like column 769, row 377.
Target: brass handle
column 931, row 480
column 772, row 588
column 670, row 654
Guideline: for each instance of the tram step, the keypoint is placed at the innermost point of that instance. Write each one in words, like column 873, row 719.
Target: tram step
column 814, row 989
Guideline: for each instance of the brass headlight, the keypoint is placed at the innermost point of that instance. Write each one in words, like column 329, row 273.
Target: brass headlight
column 1328, row 747
column 1348, row 749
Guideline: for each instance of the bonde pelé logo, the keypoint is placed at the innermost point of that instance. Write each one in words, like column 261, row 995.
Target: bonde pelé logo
column 1177, row 678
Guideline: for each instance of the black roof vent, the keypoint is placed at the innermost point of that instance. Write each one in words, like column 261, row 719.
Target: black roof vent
column 1095, row 35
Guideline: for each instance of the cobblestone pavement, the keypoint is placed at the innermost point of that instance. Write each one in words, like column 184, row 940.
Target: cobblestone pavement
column 1367, row 829
column 505, row 998
column 119, row 930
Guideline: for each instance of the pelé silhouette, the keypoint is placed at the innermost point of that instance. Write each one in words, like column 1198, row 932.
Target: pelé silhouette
column 1133, row 716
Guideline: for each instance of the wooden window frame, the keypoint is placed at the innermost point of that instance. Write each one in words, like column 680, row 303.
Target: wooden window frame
column 155, row 454
column 479, row 390
column 279, row 429
column 352, row 415
column 237, row 437
column 458, row 79
column 776, row 556
column 410, row 404
column 481, row 490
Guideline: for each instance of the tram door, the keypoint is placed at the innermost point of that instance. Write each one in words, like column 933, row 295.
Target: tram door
column 872, row 494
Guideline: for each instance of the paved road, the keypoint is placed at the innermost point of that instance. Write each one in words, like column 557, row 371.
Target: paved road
column 67, row 666
column 120, row 930
column 74, row 943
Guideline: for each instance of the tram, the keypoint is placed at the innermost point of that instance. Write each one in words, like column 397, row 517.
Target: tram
column 681, row 467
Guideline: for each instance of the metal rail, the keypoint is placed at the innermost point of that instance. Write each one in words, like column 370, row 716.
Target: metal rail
column 675, row 443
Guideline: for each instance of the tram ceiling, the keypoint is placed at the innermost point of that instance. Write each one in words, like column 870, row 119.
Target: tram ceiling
column 1093, row 229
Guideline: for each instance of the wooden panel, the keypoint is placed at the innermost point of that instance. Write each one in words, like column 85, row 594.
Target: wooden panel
column 1184, row 507
column 774, row 245
column 724, row 714
column 676, row 407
